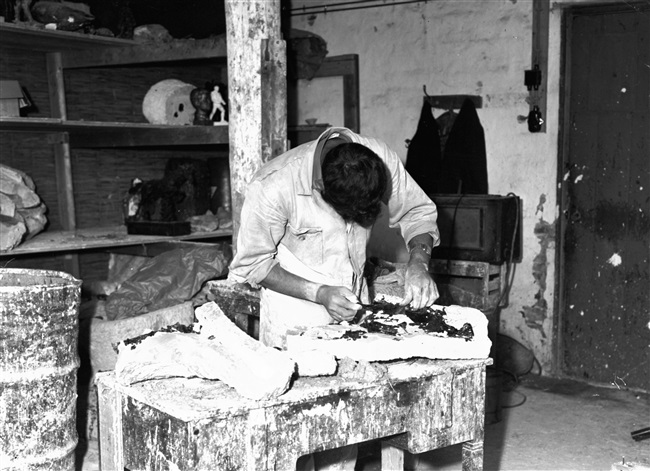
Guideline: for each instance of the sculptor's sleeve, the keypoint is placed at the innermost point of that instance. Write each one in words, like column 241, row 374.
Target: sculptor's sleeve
column 262, row 225
column 408, row 205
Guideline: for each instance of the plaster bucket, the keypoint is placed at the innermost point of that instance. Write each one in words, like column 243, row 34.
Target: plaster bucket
column 38, row 369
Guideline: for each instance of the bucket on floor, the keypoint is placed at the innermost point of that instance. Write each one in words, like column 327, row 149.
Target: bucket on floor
column 38, row 369
column 493, row 385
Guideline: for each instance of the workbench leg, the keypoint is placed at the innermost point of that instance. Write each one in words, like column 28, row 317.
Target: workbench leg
column 473, row 455
column 392, row 458
column 111, row 441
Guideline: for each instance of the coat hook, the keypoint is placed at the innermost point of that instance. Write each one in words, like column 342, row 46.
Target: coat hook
column 424, row 89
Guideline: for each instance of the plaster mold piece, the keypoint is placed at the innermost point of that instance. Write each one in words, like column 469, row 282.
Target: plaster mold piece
column 220, row 350
column 315, row 363
column 168, row 102
column 403, row 342
column 104, row 334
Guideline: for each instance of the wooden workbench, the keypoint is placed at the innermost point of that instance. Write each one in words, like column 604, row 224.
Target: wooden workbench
column 196, row 424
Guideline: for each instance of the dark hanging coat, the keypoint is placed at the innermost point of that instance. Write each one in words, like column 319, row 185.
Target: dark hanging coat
column 424, row 157
column 464, row 162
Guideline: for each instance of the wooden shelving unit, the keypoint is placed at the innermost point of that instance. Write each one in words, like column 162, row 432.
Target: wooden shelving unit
column 112, row 134
column 42, row 40
column 100, row 238
column 68, row 50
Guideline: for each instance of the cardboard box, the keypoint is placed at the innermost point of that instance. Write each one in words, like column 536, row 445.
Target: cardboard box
column 11, row 98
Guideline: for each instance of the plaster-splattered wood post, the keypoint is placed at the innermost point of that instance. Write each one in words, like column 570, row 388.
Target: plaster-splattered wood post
column 257, row 91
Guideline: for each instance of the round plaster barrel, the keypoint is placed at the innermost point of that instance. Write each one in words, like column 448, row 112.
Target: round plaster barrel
column 38, row 369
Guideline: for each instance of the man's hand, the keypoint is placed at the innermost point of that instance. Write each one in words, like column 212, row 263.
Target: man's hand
column 419, row 288
column 340, row 302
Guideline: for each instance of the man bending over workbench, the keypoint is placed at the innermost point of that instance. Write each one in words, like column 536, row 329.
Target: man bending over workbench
column 305, row 222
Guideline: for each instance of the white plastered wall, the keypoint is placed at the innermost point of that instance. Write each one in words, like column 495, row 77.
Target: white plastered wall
column 460, row 47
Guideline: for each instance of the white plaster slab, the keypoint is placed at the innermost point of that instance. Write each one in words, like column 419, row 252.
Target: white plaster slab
column 335, row 340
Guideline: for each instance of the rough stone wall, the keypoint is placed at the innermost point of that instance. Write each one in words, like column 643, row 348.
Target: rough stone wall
column 452, row 47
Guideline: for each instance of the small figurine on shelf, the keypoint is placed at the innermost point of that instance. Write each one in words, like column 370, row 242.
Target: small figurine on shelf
column 218, row 105
column 200, row 98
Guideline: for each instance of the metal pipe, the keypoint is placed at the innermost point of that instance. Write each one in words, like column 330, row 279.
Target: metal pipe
column 337, row 4
column 326, row 8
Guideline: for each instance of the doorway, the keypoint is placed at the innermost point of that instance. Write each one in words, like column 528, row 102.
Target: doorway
column 604, row 228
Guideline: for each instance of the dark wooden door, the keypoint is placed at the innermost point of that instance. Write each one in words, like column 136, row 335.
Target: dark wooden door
column 605, row 181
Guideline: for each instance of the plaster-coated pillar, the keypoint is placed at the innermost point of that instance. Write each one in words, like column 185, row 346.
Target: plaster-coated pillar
column 256, row 91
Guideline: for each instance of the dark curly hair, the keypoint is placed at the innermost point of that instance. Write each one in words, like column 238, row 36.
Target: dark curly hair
column 355, row 180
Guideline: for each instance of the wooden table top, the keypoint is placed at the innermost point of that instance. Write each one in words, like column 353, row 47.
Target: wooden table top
column 195, row 399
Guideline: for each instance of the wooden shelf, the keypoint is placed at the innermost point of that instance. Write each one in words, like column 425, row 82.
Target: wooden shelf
column 38, row 39
column 99, row 238
column 137, row 53
column 84, row 50
column 113, row 134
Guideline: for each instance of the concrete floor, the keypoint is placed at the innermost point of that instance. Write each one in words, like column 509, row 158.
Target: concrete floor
column 550, row 425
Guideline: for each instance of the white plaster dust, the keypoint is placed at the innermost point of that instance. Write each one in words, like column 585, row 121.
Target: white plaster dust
column 615, row 260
